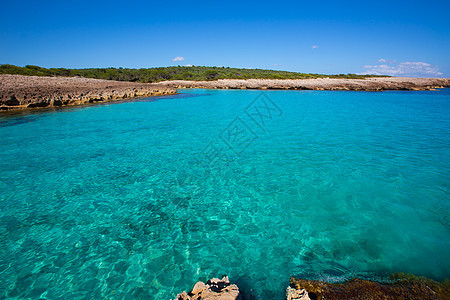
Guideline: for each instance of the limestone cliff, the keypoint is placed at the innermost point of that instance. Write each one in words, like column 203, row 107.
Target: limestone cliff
column 20, row 92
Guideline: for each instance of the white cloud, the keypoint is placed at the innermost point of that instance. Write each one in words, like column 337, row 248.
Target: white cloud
column 386, row 61
column 178, row 58
column 315, row 47
column 410, row 68
column 188, row 65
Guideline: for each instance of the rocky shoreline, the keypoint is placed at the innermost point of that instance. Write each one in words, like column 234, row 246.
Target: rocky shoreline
column 333, row 84
column 399, row 286
column 25, row 92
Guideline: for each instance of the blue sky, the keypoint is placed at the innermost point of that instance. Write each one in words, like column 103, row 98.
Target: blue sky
column 391, row 37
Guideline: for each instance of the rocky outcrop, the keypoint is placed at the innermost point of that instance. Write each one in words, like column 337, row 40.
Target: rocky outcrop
column 401, row 286
column 20, row 92
column 214, row 289
column 368, row 84
column 294, row 294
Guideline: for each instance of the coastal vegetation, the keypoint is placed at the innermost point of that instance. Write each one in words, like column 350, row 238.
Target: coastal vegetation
column 147, row 75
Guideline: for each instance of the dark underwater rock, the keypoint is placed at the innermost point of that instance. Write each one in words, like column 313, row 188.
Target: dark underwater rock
column 400, row 286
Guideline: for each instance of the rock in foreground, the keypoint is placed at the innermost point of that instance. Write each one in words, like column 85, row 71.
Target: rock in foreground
column 294, row 294
column 214, row 289
column 402, row 287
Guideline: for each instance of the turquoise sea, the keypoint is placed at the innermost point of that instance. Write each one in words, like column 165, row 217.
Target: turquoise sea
column 141, row 199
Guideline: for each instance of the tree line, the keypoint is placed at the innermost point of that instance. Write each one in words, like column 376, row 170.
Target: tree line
column 147, row 75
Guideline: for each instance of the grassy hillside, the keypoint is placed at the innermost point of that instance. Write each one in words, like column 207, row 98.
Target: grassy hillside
column 167, row 73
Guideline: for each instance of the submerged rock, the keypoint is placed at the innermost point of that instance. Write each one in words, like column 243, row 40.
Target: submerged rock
column 217, row 289
column 401, row 286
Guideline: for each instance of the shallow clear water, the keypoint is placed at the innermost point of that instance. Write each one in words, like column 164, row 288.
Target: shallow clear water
column 142, row 199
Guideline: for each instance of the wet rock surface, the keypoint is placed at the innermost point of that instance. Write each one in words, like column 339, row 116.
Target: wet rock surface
column 21, row 92
column 401, row 286
column 217, row 289
column 368, row 84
